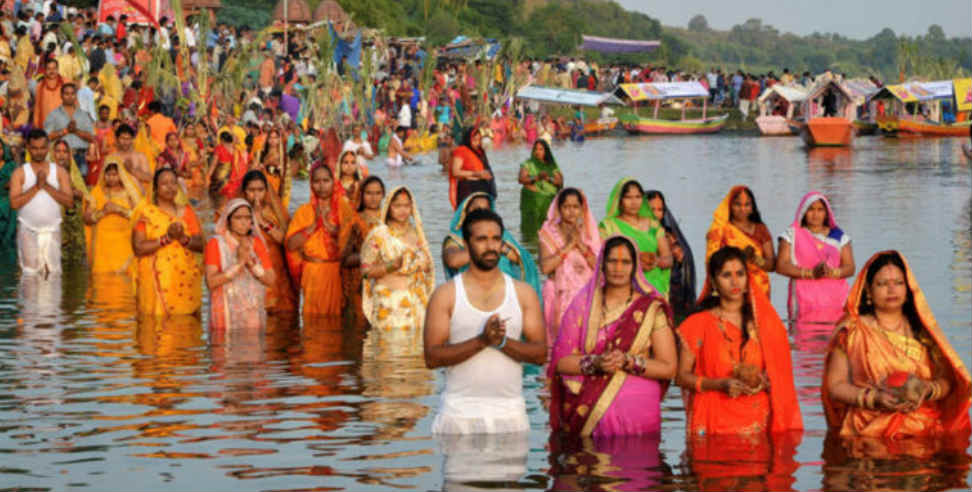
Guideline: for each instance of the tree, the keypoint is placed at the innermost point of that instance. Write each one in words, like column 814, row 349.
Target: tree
column 698, row 24
column 935, row 33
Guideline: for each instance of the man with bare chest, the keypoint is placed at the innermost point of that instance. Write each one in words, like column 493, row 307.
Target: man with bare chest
column 135, row 162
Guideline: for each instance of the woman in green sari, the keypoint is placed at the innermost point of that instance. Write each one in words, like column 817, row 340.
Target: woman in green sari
column 8, row 216
column 630, row 215
column 541, row 180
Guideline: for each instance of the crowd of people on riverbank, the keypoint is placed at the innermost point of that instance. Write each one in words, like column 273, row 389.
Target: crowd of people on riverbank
column 114, row 169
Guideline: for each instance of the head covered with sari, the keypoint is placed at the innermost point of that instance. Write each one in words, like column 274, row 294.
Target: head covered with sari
column 579, row 334
column 551, row 229
column 723, row 233
column 808, row 298
column 242, row 301
column 388, row 247
column 647, row 241
column 874, row 356
column 471, row 155
column 683, row 277
column 526, row 271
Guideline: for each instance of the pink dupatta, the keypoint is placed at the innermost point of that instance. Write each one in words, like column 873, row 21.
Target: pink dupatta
column 816, row 300
column 579, row 403
column 561, row 287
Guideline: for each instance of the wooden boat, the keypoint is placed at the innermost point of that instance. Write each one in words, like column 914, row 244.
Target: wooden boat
column 654, row 126
column 575, row 97
column 600, row 125
column 777, row 105
column 914, row 128
column 658, row 92
column 916, row 109
column 821, row 130
column 825, row 131
column 864, row 127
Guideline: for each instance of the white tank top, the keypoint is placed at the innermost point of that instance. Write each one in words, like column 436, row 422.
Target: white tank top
column 483, row 394
column 42, row 211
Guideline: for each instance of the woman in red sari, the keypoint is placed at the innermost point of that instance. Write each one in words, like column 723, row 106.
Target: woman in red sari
column 227, row 170
column 470, row 171
column 891, row 372
column 734, row 367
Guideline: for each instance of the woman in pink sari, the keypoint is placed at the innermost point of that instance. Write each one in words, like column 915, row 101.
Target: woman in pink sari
column 238, row 269
column 615, row 354
column 817, row 256
column 569, row 242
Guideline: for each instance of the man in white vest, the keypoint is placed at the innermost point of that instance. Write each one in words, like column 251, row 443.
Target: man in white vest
column 481, row 327
column 38, row 190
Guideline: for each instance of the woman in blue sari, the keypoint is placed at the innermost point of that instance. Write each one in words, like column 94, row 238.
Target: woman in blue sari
column 515, row 260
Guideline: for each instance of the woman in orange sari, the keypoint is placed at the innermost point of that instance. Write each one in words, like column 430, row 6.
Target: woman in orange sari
column 272, row 219
column 273, row 163
column 890, row 371
column 470, row 171
column 349, row 177
column 734, row 364
column 313, row 244
column 168, row 241
column 115, row 198
column 737, row 222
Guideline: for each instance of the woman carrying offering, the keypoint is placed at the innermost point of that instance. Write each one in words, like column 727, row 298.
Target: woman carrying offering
column 167, row 240
column 616, row 352
column 817, row 256
column 736, row 222
column 270, row 221
column 396, row 265
column 515, row 260
column 890, row 371
column 314, row 240
column 541, row 179
column 734, row 363
column 568, row 241
column 629, row 214
column 238, row 270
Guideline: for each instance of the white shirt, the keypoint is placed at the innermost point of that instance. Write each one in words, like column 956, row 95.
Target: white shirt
column 405, row 115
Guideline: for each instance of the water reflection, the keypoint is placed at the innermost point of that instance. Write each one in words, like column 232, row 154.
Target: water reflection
column 753, row 462
column 483, row 461
column 899, row 464
column 608, row 463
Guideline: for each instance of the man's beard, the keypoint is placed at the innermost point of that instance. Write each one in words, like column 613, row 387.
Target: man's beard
column 486, row 261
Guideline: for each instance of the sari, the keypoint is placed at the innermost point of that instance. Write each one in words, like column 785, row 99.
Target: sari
column 170, row 279
column 472, row 160
column 815, row 300
column 681, row 294
column 525, row 271
column 874, row 353
column 608, row 404
column 351, row 276
column 316, row 268
column 723, row 233
column 535, row 203
column 716, row 346
column 647, row 241
column 241, row 302
column 405, row 308
column 8, row 216
column 281, row 296
column 228, row 175
column 573, row 272
column 110, row 245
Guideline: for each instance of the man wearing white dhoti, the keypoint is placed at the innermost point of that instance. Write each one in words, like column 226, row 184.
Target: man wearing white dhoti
column 481, row 327
column 38, row 189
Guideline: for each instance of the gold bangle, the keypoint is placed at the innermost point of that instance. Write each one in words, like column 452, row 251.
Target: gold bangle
column 871, row 396
column 860, row 397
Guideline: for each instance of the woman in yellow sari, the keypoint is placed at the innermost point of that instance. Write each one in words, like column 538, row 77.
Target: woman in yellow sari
column 168, row 242
column 737, row 222
column 891, row 372
column 114, row 199
column 397, row 267
column 313, row 244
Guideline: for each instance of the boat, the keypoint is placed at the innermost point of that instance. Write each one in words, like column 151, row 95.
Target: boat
column 659, row 92
column 923, row 109
column 865, row 127
column 600, row 125
column 777, row 105
column 576, row 97
column 820, row 128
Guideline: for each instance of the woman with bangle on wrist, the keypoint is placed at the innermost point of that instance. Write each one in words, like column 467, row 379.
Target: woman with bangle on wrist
column 167, row 240
column 515, row 260
column 629, row 214
column 109, row 214
column 817, row 256
column 314, row 239
column 736, row 222
column 569, row 243
column 270, row 218
column 611, row 364
column 238, row 269
column 397, row 266
column 890, row 371
column 734, row 363
column 541, row 179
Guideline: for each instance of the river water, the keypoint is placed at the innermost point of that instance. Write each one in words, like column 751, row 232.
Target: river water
column 92, row 400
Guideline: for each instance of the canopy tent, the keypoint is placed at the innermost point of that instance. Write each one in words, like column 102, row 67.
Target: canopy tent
column 614, row 45
column 652, row 91
column 463, row 47
column 567, row 96
column 916, row 91
column 963, row 93
column 791, row 93
column 859, row 89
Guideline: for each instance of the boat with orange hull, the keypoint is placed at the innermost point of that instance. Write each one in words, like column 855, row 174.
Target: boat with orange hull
column 911, row 128
column 600, row 126
column 825, row 131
